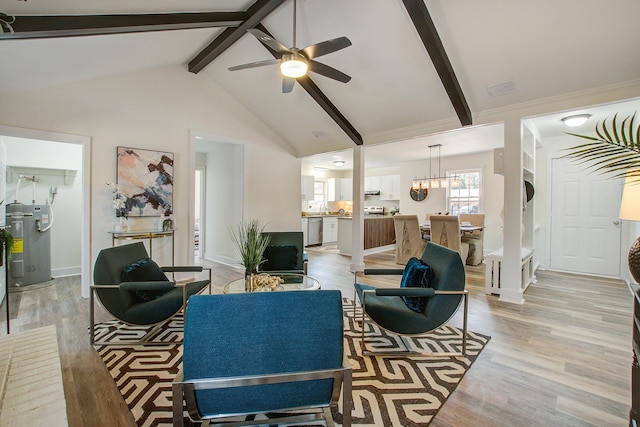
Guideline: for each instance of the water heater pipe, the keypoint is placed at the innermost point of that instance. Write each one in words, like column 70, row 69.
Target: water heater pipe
column 18, row 188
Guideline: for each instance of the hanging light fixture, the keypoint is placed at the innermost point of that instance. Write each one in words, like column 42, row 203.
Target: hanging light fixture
column 434, row 180
column 294, row 65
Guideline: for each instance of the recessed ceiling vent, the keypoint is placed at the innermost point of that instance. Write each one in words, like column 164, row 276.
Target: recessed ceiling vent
column 501, row 89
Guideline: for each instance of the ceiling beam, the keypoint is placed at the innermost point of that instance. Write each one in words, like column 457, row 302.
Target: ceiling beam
column 53, row 26
column 324, row 102
column 256, row 13
column 432, row 43
column 314, row 91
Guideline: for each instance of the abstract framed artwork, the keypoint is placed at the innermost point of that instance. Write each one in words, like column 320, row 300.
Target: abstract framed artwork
column 146, row 180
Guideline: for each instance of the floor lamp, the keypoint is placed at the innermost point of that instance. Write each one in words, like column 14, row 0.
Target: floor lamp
column 630, row 211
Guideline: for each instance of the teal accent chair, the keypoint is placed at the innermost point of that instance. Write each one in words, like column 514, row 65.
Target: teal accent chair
column 442, row 298
column 144, row 301
column 285, row 253
column 265, row 352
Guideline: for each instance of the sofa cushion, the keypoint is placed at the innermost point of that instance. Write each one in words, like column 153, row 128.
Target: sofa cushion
column 144, row 270
column 416, row 274
column 280, row 258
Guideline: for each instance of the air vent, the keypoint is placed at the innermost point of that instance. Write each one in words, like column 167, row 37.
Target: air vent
column 501, row 89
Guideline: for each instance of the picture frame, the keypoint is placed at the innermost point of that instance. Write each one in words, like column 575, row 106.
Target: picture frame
column 145, row 178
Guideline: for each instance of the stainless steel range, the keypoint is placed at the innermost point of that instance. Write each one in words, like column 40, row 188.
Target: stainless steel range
column 374, row 210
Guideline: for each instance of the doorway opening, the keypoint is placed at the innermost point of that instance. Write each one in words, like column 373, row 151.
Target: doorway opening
column 218, row 194
column 61, row 164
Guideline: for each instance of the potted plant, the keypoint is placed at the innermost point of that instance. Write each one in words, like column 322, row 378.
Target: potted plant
column 250, row 242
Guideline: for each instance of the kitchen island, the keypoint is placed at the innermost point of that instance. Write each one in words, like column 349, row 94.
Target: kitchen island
column 379, row 234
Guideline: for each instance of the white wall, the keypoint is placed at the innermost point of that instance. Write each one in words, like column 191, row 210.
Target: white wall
column 67, row 208
column 156, row 109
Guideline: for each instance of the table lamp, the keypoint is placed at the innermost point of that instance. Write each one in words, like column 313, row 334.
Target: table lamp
column 630, row 211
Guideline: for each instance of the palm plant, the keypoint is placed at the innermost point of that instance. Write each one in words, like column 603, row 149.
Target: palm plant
column 615, row 149
column 251, row 242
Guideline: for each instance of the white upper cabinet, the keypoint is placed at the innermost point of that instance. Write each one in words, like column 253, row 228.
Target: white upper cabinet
column 371, row 183
column 390, row 187
column 307, row 191
column 339, row 189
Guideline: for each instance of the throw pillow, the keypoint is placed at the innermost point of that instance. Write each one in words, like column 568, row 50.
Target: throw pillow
column 144, row 270
column 280, row 258
column 416, row 274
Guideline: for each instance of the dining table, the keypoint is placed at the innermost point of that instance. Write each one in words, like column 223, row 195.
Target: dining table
column 465, row 227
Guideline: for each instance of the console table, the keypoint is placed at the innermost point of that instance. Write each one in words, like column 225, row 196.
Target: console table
column 144, row 235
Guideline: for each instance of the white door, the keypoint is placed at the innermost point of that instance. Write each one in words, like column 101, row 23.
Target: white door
column 585, row 230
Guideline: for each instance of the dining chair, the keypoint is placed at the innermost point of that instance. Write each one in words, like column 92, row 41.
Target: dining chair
column 445, row 231
column 474, row 238
column 408, row 238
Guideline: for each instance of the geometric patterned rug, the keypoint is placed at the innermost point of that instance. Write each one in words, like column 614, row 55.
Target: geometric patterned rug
column 399, row 391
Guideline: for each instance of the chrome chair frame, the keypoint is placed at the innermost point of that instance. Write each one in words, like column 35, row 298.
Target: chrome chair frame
column 154, row 327
column 342, row 379
column 412, row 292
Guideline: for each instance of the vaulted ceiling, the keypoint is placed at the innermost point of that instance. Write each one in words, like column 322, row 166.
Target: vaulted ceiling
column 413, row 63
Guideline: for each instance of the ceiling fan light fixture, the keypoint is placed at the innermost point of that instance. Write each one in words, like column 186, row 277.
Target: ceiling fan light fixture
column 293, row 66
column 575, row 120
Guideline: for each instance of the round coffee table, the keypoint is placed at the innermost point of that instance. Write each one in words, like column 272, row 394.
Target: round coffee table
column 292, row 282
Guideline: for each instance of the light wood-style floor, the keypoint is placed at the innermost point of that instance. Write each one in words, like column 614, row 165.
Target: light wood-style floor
column 563, row 358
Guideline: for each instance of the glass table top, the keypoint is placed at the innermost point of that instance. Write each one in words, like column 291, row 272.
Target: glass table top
column 273, row 282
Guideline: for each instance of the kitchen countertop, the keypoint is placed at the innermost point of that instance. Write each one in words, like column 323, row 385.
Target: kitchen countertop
column 325, row 216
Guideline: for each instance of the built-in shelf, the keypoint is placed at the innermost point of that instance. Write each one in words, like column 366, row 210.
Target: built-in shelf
column 13, row 172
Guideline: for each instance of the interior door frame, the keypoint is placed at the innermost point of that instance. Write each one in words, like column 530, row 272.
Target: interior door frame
column 203, row 201
column 85, row 142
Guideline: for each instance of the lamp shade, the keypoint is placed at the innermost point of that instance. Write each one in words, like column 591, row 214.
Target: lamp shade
column 293, row 67
column 630, row 205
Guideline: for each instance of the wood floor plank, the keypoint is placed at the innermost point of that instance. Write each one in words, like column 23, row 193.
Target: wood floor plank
column 563, row 358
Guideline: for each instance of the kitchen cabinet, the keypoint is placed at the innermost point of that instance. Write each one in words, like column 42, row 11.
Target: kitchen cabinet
column 390, row 187
column 339, row 189
column 307, row 187
column 371, row 183
column 329, row 230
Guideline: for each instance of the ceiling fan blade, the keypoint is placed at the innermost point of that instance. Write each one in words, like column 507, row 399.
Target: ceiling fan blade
column 328, row 71
column 325, row 47
column 287, row 84
column 267, row 40
column 254, row 64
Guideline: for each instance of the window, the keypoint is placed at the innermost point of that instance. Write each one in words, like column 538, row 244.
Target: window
column 318, row 191
column 463, row 195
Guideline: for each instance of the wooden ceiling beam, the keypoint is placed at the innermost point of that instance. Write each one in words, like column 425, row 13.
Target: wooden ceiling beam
column 314, row 91
column 54, row 26
column 255, row 14
column 431, row 40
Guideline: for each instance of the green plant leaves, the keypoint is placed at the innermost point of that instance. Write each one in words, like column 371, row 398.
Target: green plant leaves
column 615, row 150
column 250, row 242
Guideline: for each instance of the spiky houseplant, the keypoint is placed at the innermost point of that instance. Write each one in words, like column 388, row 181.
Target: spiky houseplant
column 250, row 243
column 614, row 151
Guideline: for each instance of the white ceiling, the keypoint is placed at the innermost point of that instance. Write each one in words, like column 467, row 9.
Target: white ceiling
column 547, row 49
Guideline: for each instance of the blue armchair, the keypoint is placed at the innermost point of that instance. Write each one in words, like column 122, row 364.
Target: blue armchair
column 432, row 289
column 266, row 352
column 135, row 290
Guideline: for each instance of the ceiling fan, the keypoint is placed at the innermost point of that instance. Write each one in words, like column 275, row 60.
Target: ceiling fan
column 296, row 62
